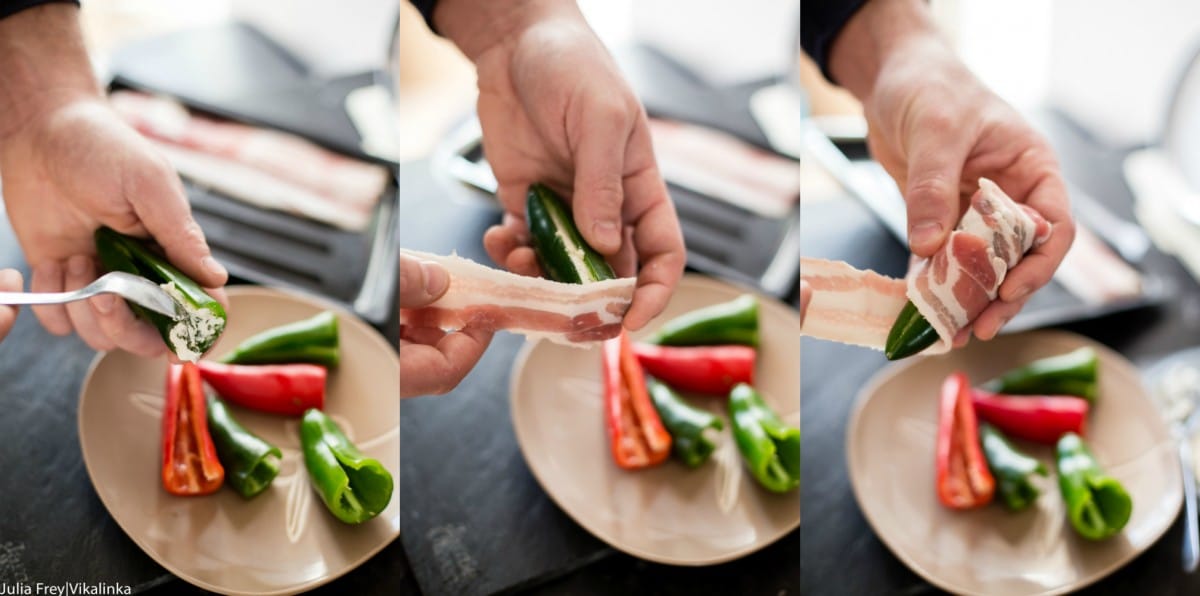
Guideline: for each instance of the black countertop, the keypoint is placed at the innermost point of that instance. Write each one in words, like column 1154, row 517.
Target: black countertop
column 836, row 537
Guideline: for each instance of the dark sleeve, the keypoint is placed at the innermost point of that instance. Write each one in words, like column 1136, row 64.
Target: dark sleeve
column 820, row 23
column 12, row 7
column 426, row 7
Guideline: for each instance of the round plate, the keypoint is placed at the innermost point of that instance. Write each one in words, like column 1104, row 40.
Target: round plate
column 668, row 513
column 284, row 540
column 890, row 446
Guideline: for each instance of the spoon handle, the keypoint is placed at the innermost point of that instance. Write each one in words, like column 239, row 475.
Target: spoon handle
column 1191, row 536
column 16, row 298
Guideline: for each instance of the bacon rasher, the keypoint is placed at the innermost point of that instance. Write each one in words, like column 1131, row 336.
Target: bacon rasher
column 487, row 298
column 949, row 289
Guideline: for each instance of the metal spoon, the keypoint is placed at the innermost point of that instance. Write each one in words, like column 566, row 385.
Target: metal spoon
column 133, row 288
column 1179, row 390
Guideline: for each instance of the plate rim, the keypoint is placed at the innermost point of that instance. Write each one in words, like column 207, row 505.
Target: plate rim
column 231, row 291
column 519, row 364
column 887, row 373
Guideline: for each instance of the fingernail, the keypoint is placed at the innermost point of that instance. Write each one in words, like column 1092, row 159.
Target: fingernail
column 103, row 303
column 607, row 231
column 212, row 266
column 1021, row 292
column 436, row 279
column 924, row 232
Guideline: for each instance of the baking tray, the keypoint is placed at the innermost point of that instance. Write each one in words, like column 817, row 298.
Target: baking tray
column 235, row 72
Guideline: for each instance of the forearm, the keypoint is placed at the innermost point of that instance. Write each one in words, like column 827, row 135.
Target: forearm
column 43, row 63
column 478, row 25
column 878, row 33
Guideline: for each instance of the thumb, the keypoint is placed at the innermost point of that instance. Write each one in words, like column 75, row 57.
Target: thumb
column 421, row 282
column 599, row 185
column 157, row 197
column 934, row 171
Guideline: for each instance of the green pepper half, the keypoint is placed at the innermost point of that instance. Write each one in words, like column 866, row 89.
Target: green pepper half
column 202, row 318
column 1073, row 373
column 1012, row 469
column 560, row 249
column 910, row 334
column 733, row 322
column 770, row 447
column 353, row 486
column 313, row 340
column 250, row 462
column 685, row 423
column 1097, row 504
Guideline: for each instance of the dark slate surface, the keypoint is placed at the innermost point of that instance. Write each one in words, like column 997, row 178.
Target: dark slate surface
column 474, row 519
column 836, row 537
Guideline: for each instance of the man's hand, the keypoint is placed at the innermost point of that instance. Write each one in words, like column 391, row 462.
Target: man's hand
column 936, row 130
column 431, row 360
column 554, row 109
column 10, row 281
column 70, row 165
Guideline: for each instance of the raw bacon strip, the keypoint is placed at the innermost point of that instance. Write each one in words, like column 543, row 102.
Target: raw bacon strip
column 268, row 168
column 849, row 305
column 1094, row 273
column 487, row 298
column 957, row 283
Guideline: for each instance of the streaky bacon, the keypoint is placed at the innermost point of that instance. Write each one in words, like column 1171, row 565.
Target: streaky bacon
column 487, row 298
column 949, row 289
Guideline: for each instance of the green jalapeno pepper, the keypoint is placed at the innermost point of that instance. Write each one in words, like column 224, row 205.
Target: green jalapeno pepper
column 910, row 334
column 201, row 318
column 1097, row 504
column 685, row 423
column 733, row 322
column 1012, row 469
column 353, row 486
column 313, row 340
column 250, row 462
column 561, row 250
column 1073, row 373
column 770, row 447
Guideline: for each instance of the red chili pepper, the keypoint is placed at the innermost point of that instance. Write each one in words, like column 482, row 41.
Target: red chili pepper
column 703, row 369
column 963, row 479
column 190, row 465
column 287, row 389
column 635, row 431
column 1041, row 419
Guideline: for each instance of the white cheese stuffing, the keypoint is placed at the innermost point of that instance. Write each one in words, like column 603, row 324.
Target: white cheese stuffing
column 195, row 329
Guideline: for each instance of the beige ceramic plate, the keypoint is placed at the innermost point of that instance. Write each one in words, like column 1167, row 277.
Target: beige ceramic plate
column 668, row 514
column 284, row 540
column 890, row 445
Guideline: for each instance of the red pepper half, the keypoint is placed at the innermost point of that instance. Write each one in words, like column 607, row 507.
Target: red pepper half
column 1041, row 419
column 190, row 465
column 635, row 431
column 287, row 389
column 702, row 369
column 963, row 478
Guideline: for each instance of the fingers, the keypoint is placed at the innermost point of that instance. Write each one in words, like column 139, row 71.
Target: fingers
column 993, row 318
column 126, row 331
column 599, row 168
column 508, row 245
column 659, row 244
column 421, row 282
column 48, row 277
column 436, row 369
column 10, row 281
column 1037, row 268
column 81, row 270
column 935, row 164
column 157, row 197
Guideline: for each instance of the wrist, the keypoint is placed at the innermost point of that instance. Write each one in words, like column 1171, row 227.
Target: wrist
column 477, row 26
column 882, row 31
column 43, row 65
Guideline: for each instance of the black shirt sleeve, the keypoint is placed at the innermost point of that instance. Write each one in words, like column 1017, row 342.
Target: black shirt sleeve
column 12, row 7
column 820, row 23
column 426, row 7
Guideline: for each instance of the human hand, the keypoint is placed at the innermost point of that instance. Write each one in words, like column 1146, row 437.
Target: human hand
column 936, row 130
column 10, row 281
column 77, row 167
column 805, row 299
column 554, row 109
column 431, row 360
